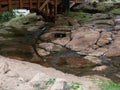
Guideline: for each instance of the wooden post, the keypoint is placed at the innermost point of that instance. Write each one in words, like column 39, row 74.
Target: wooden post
column 38, row 4
column 46, row 10
column 0, row 8
column 30, row 4
column 21, row 3
column 10, row 5
column 66, row 6
column 55, row 8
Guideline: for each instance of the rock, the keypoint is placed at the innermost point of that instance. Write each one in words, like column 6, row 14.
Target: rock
column 107, row 22
column 12, row 74
column 33, row 28
column 62, row 41
column 82, row 39
column 4, row 68
column 114, row 48
column 98, row 52
column 38, row 78
column 59, row 84
column 74, row 23
column 99, row 16
column 39, row 18
column 42, row 52
column 118, row 74
column 105, row 27
column 117, row 27
column 94, row 59
column 105, row 38
column 51, row 46
column 117, row 21
column 100, row 68
column 40, row 23
column 24, row 87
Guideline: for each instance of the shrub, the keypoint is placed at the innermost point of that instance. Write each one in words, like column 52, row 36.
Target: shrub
column 7, row 15
column 116, row 11
column 81, row 16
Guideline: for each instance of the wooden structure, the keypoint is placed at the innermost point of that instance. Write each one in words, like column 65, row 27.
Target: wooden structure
column 46, row 7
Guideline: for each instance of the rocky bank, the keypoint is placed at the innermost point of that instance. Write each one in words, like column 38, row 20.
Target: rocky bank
column 20, row 75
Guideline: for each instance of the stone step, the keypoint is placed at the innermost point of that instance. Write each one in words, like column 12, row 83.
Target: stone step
column 117, row 21
column 117, row 17
column 117, row 27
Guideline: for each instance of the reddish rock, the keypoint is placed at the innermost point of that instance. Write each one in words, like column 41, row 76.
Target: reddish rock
column 82, row 39
column 114, row 48
column 105, row 38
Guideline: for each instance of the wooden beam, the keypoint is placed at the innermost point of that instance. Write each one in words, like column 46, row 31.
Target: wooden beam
column 21, row 3
column 10, row 4
column 46, row 10
column 43, row 5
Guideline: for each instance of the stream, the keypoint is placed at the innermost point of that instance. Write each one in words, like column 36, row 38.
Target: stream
column 19, row 46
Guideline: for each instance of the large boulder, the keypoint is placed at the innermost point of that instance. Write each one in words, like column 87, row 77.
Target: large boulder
column 82, row 39
column 114, row 48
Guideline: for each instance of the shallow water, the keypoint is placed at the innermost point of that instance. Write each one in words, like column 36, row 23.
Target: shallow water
column 20, row 47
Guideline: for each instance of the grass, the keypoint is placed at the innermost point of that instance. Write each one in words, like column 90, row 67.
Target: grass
column 81, row 16
column 110, row 86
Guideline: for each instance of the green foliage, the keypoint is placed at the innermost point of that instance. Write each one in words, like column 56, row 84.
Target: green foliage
column 7, row 15
column 80, row 16
column 74, row 86
column 110, row 86
column 116, row 11
column 45, row 84
column 114, row 0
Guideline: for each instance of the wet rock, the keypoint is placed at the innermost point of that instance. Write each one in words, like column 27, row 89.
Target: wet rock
column 4, row 67
column 94, row 59
column 100, row 68
column 82, row 39
column 78, row 62
column 42, row 52
column 105, row 38
column 59, row 84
